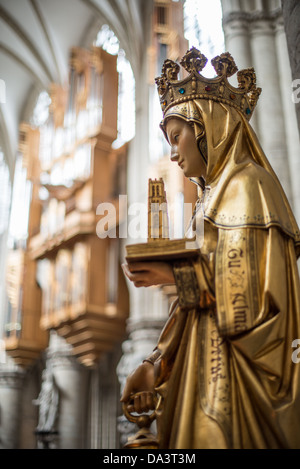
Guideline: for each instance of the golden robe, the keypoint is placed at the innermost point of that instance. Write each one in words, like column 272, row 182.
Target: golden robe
column 225, row 373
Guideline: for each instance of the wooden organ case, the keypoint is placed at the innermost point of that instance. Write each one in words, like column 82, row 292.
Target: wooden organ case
column 74, row 278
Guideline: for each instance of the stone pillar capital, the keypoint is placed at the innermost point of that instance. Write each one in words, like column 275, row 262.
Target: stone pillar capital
column 259, row 22
column 236, row 26
column 11, row 378
column 279, row 24
column 235, row 16
column 263, row 26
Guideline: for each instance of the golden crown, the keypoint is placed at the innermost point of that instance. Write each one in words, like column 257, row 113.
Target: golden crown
column 173, row 91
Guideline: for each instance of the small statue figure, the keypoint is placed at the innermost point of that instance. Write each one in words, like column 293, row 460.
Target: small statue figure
column 47, row 401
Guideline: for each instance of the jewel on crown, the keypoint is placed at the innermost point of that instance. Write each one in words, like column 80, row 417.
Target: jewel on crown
column 195, row 86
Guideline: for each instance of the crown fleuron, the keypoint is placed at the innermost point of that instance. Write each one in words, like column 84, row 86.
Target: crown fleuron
column 173, row 91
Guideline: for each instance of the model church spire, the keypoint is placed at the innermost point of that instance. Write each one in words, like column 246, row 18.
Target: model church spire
column 158, row 223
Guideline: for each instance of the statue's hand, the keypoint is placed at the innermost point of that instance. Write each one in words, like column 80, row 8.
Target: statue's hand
column 141, row 381
column 147, row 274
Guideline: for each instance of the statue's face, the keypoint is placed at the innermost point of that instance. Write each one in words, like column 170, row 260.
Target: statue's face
column 184, row 149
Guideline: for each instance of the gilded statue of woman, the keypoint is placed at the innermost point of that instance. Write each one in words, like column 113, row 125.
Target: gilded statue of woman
column 223, row 366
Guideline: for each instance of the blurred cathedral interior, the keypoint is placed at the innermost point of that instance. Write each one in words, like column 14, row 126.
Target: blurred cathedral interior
column 79, row 139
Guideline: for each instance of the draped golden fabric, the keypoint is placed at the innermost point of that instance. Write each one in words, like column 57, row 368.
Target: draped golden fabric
column 225, row 373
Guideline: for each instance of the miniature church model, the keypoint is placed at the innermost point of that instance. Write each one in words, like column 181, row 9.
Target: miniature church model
column 159, row 246
column 158, row 223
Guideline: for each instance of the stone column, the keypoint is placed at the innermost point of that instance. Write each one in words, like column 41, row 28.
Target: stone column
column 11, row 384
column 291, row 15
column 30, row 391
column 71, row 380
column 269, row 109
column 254, row 36
column 236, row 32
column 237, row 42
column 289, row 113
column 146, row 304
column 142, row 339
column 104, row 402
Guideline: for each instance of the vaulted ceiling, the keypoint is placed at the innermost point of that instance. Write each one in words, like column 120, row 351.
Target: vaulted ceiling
column 35, row 40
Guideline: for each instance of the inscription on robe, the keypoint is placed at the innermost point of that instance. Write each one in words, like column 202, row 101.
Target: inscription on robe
column 238, row 297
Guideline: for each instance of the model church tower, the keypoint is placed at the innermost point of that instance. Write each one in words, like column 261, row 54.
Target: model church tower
column 158, row 223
